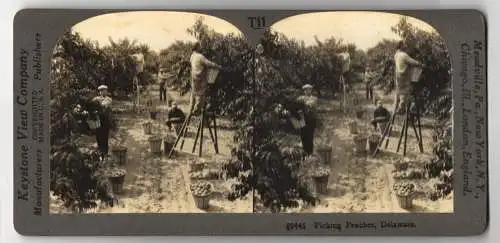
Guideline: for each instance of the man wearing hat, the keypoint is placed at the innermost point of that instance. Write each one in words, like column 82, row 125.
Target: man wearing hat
column 102, row 133
column 175, row 117
column 308, row 114
column 199, row 80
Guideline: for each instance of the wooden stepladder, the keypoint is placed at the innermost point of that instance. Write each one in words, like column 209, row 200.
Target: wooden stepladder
column 411, row 117
column 207, row 120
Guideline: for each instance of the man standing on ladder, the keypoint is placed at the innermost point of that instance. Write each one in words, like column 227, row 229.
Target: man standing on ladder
column 402, row 76
column 199, row 78
column 405, row 89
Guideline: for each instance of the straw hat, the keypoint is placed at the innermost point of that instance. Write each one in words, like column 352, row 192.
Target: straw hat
column 102, row 87
column 307, row 86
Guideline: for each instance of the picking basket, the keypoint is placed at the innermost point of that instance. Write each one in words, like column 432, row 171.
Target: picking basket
column 321, row 184
column 148, row 128
column 405, row 202
column 120, row 154
column 359, row 114
column 202, row 202
column 117, row 180
column 373, row 142
column 353, row 127
column 360, row 143
column 155, row 144
column 326, row 153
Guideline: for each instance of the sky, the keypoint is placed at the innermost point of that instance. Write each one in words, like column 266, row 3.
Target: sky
column 160, row 29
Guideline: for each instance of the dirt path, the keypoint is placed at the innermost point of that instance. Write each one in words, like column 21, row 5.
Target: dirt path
column 358, row 183
column 362, row 183
column 155, row 183
column 159, row 184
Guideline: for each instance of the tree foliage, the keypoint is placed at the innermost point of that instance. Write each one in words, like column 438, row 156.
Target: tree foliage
column 78, row 67
column 248, row 90
column 426, row 47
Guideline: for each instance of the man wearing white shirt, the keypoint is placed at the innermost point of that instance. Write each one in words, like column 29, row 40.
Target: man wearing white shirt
column 199, row 80
column 102, row 133
column 402, row 76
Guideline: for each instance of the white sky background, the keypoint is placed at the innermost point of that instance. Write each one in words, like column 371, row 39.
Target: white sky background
column 160, row 29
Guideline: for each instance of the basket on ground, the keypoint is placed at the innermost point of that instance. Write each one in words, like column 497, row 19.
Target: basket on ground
column 196, row 165
column 360, row 114
column 321, row 184
column 155, row 144
column 326, row 153
column 360, row 143
column 116, row 177
column 201, row 192
column 405, row 192
column 148, row 128
column 154, row 115
column 353, row 127
column 120, row 154
column 320, row 178
column 373, row 141
column 405, row 202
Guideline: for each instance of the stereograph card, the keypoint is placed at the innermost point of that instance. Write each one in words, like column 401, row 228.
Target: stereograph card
column 250, row 122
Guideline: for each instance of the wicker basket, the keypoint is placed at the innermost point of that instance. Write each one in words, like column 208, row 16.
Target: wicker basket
column 120, row 154
column 321, row 184
column 117, row 183
column 195, row 166
column 360, row 114
column 155, row 144
column 360, row 143
column 326, row 153
column 202, row 202
column 373, row 143
column 154, row 115
column 148, row 128
column 353, row 127
column 405, row 202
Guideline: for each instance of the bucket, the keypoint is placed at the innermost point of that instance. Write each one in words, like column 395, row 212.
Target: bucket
column 155, row 144
column 120, row 154
column 148, row 127
column 405, row 202
column 154, row 115
column 359, row 114
column 321, row 184
column 360, row 143
column 202, row 202
column 195, row 166
column 353, row 127
column 117, row 182
column 373, row 143
column 326, row 153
